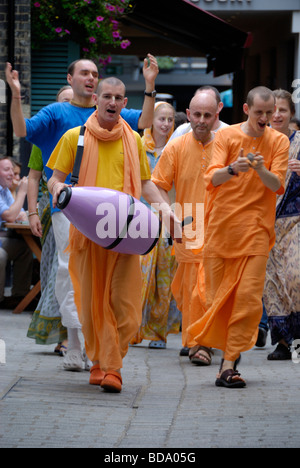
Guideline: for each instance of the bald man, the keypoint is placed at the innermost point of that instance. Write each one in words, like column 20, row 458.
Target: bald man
column 218, row 125
column 184, row 162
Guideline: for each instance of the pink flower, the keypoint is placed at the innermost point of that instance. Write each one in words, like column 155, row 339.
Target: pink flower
column 85, row 49
column 105, row 61
column 67, row 31
column 100, row 18
column 37, row 5
column 58, row 30
column 110, row 7
column 125, row 44
column 116, row 34
column 92, row 40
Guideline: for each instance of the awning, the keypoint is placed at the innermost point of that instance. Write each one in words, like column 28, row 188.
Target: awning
column 198, row 31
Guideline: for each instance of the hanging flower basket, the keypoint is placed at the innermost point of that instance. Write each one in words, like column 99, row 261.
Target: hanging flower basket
column 90, row 23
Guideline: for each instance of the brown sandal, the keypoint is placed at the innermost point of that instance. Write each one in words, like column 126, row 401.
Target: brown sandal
column 198, row 358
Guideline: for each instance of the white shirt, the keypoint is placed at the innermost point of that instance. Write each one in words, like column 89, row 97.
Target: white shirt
column 186, row 127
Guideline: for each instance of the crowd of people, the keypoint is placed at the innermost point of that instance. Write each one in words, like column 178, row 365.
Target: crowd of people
column 224, row 280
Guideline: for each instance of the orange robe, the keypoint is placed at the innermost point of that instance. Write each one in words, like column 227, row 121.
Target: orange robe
column 239, row 234
column 107, row 285
column 184, row 162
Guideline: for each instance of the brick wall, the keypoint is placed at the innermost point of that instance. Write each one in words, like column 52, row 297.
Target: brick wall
column 15, row 46
column 3, row 58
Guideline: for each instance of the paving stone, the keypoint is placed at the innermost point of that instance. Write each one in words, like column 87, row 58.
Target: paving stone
column 166, row 402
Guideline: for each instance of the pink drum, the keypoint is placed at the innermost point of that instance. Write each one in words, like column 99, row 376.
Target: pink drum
column 112, row 219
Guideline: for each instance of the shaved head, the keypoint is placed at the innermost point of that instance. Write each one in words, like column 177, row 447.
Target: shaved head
column 203, row 113
column 264, row 93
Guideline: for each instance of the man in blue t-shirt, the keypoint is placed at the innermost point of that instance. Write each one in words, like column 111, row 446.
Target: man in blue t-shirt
column 13, row 248
column 47, row 127
column 45, row 130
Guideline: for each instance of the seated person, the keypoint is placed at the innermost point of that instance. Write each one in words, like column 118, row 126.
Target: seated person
column 13, row 248
column 17, row 177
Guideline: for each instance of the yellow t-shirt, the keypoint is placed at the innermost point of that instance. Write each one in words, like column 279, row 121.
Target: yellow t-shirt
column 110, row 172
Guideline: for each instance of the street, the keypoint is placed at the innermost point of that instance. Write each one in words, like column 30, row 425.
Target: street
column 166, row 402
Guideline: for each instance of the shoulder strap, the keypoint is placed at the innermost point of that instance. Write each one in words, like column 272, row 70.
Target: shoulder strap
column 78, row 158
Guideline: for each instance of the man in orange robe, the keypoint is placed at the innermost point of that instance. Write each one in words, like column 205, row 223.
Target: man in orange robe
column 239, row 231
column 184, row 162
column 107, row 285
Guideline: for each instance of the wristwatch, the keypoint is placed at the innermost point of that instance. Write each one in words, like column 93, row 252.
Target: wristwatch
column 230, row 170
column 152, row 94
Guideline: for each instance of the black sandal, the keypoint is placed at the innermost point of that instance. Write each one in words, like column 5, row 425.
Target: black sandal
column 230, row 379
column 280, row 353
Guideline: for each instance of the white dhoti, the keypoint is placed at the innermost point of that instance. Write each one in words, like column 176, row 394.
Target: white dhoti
column 64, row 289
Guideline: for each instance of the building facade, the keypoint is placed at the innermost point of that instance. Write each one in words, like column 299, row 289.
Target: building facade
column 273, row 59
column 14, row 48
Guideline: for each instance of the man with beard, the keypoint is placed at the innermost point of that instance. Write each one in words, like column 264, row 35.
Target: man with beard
column 184, row 162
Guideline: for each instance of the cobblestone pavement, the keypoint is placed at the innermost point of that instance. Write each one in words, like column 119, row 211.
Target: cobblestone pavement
column 166, row 401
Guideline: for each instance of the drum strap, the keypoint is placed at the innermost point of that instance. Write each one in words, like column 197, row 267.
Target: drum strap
column 78, row 157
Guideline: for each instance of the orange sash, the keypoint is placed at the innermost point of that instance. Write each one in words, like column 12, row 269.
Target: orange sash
column 102, row 279
column 89, row 165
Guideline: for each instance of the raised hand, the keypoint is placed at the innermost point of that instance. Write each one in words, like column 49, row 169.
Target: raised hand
column 150, row 70
column 12, row 78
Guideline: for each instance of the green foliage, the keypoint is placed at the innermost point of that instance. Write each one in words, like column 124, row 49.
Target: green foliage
column 166, row 63
column 90, row 23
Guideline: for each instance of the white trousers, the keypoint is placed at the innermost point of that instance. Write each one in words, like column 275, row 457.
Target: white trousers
column 63, row 288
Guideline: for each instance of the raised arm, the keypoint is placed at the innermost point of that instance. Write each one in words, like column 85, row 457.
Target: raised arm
column 16, row 112
column 150, row 72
